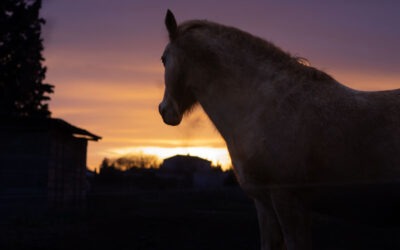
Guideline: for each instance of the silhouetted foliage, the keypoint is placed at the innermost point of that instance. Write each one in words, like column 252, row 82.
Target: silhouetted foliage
column 231, row 179
column 22, row 91
column 128, row 162
column 145, row 172
column 109, row 174
column 125, row 173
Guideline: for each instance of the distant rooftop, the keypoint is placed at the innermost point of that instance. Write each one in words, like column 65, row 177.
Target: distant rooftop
column 188, row 158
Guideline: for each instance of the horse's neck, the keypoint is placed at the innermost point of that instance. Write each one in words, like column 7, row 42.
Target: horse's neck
column 235, row 106
column 239, row 106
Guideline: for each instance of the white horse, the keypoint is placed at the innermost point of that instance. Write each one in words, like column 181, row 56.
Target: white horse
column 287, row 125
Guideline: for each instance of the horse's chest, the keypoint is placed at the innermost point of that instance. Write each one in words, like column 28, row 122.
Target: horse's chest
column 266, row 155
column 261, row 172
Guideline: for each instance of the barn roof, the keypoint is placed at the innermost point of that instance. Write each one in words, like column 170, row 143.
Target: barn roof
column 75, row 131
column 34, row 124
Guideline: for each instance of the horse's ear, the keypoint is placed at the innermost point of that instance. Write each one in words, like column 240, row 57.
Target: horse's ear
column 171, row 24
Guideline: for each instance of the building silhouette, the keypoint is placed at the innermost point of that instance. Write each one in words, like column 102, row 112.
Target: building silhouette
column 192, row 171
column 43, row 163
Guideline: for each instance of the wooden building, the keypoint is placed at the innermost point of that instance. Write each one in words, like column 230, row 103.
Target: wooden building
column 43, row 163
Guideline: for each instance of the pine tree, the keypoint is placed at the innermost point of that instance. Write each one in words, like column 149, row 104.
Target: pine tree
column 22, row 91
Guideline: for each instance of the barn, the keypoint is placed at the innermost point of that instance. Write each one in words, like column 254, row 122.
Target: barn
column 42, row 163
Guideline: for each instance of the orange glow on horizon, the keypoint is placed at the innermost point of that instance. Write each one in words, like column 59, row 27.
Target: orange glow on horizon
column 111, row 82
column 218, row 156
column 126, row 117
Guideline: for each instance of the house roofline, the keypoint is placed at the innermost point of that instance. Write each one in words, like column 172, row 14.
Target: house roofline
column 34, row 123
column 75, row 131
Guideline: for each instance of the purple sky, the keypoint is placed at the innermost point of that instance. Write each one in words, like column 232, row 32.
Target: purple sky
column 104, row 57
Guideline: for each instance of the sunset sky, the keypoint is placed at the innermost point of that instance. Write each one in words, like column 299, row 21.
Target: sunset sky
column 104, row 59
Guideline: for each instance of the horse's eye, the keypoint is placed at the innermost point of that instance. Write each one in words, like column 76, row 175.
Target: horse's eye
column 163, row 60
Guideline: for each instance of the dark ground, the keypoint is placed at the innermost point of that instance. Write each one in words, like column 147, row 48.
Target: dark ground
column 185, row 219
column 170, row 219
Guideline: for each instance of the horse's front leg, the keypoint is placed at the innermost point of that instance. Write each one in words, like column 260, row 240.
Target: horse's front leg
column 270, row 231
column 294, row 219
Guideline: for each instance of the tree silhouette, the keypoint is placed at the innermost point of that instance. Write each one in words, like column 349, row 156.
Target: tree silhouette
column 22, row 91
column 127, row 162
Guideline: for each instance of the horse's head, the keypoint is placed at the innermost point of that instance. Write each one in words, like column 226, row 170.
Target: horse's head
column 178, row 97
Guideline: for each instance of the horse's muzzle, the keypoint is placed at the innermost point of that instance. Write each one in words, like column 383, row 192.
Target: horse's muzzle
column 169, row 116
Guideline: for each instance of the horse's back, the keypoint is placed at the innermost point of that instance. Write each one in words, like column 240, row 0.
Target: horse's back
column 359, row 138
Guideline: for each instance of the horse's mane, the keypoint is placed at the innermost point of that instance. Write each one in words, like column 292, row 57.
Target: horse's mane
column 263, row 49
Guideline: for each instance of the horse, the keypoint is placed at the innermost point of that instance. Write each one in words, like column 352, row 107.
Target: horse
column 287, row 125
